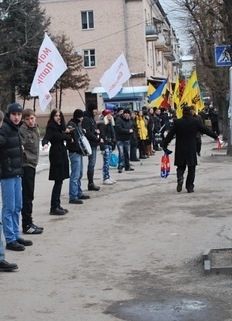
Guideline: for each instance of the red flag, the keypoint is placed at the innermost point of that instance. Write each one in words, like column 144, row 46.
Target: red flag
column 181, row 88
column 165, row 166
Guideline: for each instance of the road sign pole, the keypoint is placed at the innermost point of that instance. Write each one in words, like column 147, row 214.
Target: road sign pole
column 229, row 149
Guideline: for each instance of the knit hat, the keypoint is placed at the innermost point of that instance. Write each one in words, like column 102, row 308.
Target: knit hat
column 14, row 108
column 78, row 113
column 119, row 109
column 186, row 110
column 106, row 112
column 127, row 111
column 91, row 107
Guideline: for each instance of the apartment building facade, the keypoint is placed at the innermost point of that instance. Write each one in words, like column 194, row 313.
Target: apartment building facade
column 103, row 29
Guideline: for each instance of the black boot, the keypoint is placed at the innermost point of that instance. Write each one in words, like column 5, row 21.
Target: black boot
column 91, row 185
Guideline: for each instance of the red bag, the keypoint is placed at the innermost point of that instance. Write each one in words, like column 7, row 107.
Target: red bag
column 165, row 166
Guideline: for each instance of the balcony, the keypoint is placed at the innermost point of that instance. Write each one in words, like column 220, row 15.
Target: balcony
column 169, row 55
column 176, row 62
column 151, row 33
column 161, row 43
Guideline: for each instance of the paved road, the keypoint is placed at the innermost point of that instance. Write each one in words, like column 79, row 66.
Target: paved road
column 132, row 252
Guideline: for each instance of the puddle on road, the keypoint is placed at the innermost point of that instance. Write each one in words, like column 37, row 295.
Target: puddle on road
column 186, row 309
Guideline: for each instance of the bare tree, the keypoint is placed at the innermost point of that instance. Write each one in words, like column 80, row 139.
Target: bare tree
column 73, row 78
column 208, row 24
column 22, row 27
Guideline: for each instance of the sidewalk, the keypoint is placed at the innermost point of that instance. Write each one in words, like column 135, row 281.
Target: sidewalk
column 132, row 252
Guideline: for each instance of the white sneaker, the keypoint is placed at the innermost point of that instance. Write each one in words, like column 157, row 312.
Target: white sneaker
column 107, row 182
column 112, row 180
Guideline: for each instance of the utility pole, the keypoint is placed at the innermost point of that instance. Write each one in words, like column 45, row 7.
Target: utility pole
column 229, row 147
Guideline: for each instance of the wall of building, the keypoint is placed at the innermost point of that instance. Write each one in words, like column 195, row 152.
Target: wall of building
column 119, row 27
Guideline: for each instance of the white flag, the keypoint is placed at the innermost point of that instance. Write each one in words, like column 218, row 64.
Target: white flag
column 50, row 67
column 115, row 76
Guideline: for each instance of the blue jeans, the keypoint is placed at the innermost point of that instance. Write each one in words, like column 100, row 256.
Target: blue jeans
column 11, row 207
column 2, row 251
column 106, row 162
column 76, row 162
column 123, row 154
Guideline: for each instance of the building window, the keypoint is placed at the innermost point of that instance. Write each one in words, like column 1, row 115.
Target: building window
column 87, row 20
column 89, row 58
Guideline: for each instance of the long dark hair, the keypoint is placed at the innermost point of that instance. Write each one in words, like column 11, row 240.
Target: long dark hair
column 62, row 120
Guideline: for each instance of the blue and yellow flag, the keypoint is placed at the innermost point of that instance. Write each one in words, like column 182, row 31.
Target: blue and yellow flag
column 156, row 98
column 151, row 89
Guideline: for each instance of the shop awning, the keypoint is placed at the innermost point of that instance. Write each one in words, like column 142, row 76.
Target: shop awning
column 124, row 90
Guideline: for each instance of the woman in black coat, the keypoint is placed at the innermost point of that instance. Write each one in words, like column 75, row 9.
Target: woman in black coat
column 185, row 130
column 57, row 134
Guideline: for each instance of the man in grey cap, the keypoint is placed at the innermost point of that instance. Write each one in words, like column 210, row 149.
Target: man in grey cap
column 11, row 158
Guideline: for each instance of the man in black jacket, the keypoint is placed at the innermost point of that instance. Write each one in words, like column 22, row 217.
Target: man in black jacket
column 124, row 130
column 93, row 136
column 76, row 159
column 185, row 130
column 4, row 265
column 11, row 161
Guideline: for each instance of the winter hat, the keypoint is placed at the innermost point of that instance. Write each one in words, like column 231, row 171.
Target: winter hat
column 186, row 111
column 106, row 112
column 14, row 108
column 91, row 107
column 78, row 113
column 119, row 109
column 127, row 111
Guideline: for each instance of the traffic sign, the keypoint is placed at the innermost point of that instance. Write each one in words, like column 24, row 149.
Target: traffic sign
column 222, row 55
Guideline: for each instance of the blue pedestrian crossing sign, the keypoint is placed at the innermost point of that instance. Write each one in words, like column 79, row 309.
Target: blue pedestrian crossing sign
column 222, row 56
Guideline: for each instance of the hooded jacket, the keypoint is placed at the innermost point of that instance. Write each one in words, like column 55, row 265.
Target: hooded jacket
column 30, row 139
column 122, row 128
column 90, row 125
column 74, row 147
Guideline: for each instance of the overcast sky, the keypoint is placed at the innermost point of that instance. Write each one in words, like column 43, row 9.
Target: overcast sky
column 174, row 15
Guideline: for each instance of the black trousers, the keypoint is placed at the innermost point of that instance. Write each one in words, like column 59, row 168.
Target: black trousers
column 190, row 176
column 28, row 187
column 133, row 152
column 142, row 148
column 198, row 145
column 56, row 191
